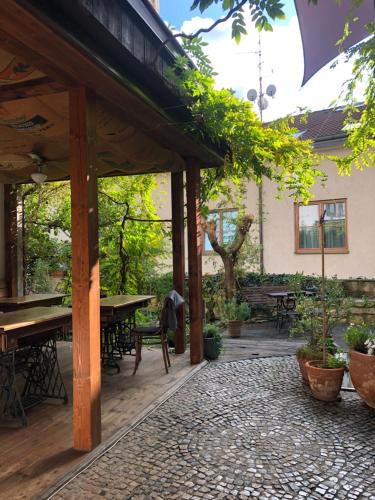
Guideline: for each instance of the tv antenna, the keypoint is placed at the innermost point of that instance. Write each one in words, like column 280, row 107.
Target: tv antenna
column 260, row 97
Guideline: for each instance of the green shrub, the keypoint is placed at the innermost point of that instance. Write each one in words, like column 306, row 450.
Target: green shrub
column 334, row 362
column 40, row 282
column 309, row 352
column 234, row 311
column 356, row 337
column 244, row 311
column 213, row 332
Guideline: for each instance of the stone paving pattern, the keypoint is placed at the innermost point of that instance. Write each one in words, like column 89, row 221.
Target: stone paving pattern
column 244, row 429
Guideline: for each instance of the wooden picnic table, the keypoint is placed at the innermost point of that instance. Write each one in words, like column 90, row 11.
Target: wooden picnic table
column 28, row 349
column 8, row 304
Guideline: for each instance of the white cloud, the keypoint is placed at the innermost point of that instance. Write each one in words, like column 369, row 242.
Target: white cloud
column 282, row 56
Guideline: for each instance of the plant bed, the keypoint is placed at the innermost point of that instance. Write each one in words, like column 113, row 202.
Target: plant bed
column 325, row 383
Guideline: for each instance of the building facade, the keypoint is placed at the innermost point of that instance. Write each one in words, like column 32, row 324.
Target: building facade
column 291, row 239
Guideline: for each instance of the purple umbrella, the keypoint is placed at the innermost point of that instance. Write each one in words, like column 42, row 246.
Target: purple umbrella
column 322, row 25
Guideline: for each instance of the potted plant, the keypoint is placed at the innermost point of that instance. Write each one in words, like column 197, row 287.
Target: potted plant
column 313, row 316
column 212, row 342
column 236, row 314
column 325, row 377
column 361, row 341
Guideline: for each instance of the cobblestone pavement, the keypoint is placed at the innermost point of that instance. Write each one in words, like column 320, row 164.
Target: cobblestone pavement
column 245, row 429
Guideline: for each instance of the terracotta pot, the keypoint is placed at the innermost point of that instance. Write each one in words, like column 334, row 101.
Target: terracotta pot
column 325, row 383
column 57, row 274
column 234, row 328
column 302, row 367
column 362, row 373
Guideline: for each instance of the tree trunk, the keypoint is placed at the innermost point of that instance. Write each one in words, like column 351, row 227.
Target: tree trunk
column 229, row 279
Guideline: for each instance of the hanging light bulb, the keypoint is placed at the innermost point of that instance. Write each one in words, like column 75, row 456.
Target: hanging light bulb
column 39, row 177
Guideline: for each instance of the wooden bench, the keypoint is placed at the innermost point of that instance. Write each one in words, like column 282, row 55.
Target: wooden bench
column 257, row 295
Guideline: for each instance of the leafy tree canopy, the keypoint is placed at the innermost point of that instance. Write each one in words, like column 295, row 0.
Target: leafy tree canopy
column 360, row 127
column 130, row 242
column 253, row 149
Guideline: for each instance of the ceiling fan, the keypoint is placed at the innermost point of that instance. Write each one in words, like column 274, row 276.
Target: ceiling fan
column 40, row 175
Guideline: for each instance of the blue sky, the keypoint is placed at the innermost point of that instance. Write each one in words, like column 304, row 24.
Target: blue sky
column 176, row 12
column 282, row 59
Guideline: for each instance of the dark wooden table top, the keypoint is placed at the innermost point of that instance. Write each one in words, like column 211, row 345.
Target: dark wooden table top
column 27, row 301
column 26, row 325
column 25, row 318
column 121, row 301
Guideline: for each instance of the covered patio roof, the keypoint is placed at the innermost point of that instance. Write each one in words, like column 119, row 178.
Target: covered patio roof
column 48, row 47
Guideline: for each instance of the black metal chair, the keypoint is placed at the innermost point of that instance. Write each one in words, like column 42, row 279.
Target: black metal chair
column 287, row 313
column 160, row 331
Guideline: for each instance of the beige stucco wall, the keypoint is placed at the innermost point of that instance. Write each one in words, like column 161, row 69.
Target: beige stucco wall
column 2, row 243
column 211, row 263
column 279, row 228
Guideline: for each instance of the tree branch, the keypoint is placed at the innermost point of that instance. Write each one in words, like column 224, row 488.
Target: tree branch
column 126, row 216
column 200, row 31
column 243, row 227
column 210, row 228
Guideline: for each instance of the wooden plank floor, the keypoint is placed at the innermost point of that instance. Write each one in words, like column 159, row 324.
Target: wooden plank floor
column 35, row 457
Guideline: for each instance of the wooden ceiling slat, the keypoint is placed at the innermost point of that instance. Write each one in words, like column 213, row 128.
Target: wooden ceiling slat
column 31, row 88
column 67, row 58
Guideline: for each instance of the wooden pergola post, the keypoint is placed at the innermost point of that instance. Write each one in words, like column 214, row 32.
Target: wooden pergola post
column 11, row 240
column 195, row 241
column 85, row 271
column 178, row 244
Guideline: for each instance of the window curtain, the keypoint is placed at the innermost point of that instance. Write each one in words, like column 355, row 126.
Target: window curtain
column 334, row 227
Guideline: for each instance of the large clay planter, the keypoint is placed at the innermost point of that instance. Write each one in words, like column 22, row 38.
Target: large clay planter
column 302, row 366
column 362, row 374
column 325, row 383
column 234, row 328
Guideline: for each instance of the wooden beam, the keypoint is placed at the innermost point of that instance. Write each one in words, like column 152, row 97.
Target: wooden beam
column 195, row 240
column 31, row 88
column 10, row 237
column 85, row 271
column 178, row 244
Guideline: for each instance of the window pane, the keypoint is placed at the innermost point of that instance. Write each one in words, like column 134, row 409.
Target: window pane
column 229, row 226
column 334, row 226
column 207, row 244
column 309, row 226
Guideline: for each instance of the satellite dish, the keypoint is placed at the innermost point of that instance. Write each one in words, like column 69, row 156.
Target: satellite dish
column 262, row 103
column 252, row 95
column 271, row 90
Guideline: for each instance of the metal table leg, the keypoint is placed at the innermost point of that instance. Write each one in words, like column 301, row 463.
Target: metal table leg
column 11, row 406
column 43, row 379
